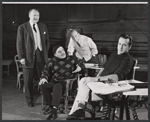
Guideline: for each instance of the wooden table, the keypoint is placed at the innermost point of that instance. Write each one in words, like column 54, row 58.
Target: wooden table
column 94, row 66
column 6, row 63
column 136, row 92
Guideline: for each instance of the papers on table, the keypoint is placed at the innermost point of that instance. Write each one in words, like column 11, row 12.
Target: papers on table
column 104, row 89
column 92, row 66
column 89, row 65
column 137, row 92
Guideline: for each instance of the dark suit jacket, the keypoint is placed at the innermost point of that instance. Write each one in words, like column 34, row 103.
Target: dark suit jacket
column 26, row 44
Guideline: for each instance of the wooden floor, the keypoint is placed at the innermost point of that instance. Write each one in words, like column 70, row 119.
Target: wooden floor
column 14, row 104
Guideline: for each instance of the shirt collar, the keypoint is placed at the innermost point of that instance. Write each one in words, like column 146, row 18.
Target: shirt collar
column 60, row 58
column 31, row 23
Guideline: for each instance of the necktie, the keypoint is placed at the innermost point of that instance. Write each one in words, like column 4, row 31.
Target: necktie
column 37, row 38
column 34, row 28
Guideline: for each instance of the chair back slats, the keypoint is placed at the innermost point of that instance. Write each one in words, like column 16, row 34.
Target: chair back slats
column 131, row 74
column 18, row 64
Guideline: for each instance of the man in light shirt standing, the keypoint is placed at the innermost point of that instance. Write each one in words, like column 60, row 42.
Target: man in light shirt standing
column 32, row 51
column 83, row 46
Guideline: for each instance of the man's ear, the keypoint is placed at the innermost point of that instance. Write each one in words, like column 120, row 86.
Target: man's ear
column 55, row 55
column 130, row 47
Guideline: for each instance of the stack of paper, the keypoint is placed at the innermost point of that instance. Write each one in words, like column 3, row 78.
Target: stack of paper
column 104, row 89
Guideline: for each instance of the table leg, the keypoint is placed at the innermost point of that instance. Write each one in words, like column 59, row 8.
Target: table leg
column 121, row 112
column 122, row 109
column 127, row 108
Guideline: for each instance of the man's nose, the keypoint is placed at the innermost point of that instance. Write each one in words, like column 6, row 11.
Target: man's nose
column 121, row 46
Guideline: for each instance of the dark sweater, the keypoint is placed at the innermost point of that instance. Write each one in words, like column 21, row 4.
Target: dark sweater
column 58, row 70
column 118, row 64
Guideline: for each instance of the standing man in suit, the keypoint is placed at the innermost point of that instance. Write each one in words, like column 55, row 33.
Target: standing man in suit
column 32, row 48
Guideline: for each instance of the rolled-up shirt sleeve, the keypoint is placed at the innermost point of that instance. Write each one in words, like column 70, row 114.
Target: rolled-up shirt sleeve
column 93, row 46
column 124, row 68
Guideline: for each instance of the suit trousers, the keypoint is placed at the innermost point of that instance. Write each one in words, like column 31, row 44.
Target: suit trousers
column 30, row 73
column 55, row 88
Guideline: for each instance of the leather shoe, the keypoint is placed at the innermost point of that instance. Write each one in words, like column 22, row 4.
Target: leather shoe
column 30, row 104
column 77, row 115
column 47, row 111
column 53, row 114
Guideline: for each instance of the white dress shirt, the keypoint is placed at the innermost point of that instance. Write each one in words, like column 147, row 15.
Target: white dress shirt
column 88, row 47
column 37, row 37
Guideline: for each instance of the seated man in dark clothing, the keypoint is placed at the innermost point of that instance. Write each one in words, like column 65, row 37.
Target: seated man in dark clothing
column 56, row 71
column 116, row 68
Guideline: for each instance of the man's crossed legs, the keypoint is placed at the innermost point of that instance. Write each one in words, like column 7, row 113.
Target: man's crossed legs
column 77, row 111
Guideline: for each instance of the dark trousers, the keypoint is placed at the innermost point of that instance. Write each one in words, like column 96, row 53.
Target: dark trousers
column 29, row 74
column 55, row 88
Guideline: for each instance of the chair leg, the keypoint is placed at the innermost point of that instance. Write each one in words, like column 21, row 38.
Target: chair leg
column 18, row 80
column 112, row 113
column 91, row 111
column 66, row 105
column 134, row 113
column 121, row 112
column 105, row 112
column 66, row 97
column 42, row 104
column 127, row 110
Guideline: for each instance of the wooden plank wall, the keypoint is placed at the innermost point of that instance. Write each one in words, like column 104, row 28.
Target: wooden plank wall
column 106, row 38
column 103, row 23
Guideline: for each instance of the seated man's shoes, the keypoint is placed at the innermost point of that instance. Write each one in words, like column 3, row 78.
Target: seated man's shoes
column 77, row 115
column 47, row 111
column 31, row 104
column 53, row 114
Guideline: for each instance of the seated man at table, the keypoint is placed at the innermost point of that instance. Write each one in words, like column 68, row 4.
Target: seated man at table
column 116, row 68
column 56, row 71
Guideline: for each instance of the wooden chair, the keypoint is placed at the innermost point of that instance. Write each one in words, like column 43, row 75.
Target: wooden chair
column 19, row 71
column 68, row 93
